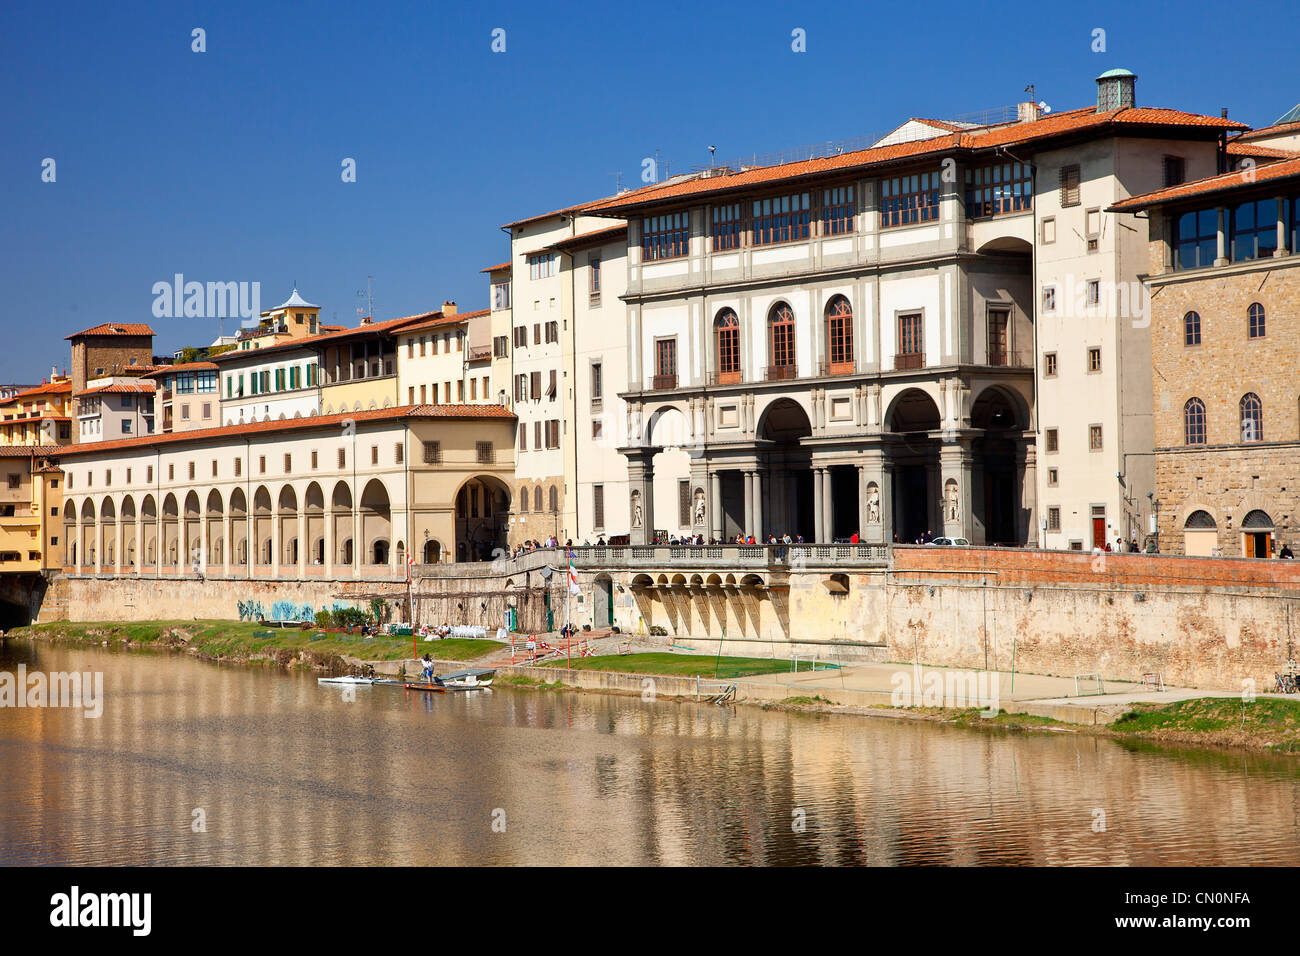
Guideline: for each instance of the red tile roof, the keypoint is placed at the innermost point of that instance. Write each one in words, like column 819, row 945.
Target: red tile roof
column 45, row 388
column 441, row 320
column 22, row 451
column 1237, row 148
column 122, row 388
column 114, row 328
column 1085, row 121
column 183, row 366
column 497, row 268
column 310, row 341
column 1284, row 129
column 587, row 238
column 452, row 412
column 1224, row 182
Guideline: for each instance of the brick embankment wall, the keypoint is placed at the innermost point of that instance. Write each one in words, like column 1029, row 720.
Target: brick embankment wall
column 1203, row 622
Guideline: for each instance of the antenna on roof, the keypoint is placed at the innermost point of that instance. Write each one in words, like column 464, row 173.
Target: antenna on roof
column 369, row 296
column 712, row 150
column 1030, row 90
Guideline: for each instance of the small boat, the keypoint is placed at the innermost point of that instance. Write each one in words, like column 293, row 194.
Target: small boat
column 345, row 680
column 469, row 683
column 431, row 688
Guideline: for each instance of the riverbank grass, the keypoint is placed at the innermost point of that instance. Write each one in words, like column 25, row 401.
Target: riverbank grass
column 248, row 639
column 677, row 665
column 1267, row 722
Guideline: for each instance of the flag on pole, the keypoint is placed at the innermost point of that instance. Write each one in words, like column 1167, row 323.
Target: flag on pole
column 573, row 573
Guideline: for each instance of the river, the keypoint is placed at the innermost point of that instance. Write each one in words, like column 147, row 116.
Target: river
column 196, row 763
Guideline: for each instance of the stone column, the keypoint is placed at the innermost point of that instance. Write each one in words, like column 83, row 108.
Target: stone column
column 205, row 543
column 329, row 540
column 99, row 541
column 640, row 479
column 716, row 519
column 303, row 544
column 877, row 470
column 356, row 536
column 275, row 540
column 862, row 502
column 819, row 504
column 1281, row 249
column 117, row 545
column 1027, row 493
column 955, row 465
column 139, row 539
column 828, row 508
column 1221, row 255
column 758, row 505
column 748, row 483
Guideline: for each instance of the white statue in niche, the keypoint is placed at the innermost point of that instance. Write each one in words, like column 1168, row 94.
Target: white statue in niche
column 873, row 505
column 636, row 509
column 699, row 506
column 953, row 508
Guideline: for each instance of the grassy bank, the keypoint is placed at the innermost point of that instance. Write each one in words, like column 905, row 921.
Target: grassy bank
column 1264, row 723
column 676, row 665
column 240, row 640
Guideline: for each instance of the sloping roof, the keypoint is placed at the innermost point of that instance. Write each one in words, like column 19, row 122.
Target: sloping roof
column 45, row 388
column 114, row 328
column 1235, row 148
column 199, row 435
column 22, row 451
column 497, row 268
column 1282, row 127
column 587, row 238
column 440, row 320
column 1238, row 179
column 184, row 367
column 311, row 341
column 1086, row 121
column 121, row 388
column 295, row 301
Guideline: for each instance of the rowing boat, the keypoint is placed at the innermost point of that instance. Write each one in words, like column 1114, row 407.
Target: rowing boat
column 431, row 688
column 344, row 680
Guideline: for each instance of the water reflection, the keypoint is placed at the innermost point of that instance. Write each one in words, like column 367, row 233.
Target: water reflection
column 285, row 771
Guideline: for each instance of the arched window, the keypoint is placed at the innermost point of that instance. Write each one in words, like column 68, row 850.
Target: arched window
column 726, row 331
column 1252, row 418
column 780, row 326
column 537, row 498
column 839, row 335
column 1192, row 328
column 554, row 496
column 1255, row 320
column 1200, row 521
column 1194, row 422
column 523, row 499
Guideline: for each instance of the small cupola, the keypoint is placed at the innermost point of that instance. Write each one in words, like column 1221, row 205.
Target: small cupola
column 1116, row 90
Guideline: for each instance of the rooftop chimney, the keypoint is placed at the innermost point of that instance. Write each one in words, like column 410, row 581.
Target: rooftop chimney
column 1027, row 112
column 366, row 319
column 449, row 308
column 1116, row 90
column 1223, row 112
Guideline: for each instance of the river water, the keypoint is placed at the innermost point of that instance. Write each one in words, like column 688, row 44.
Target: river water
column 195, row 763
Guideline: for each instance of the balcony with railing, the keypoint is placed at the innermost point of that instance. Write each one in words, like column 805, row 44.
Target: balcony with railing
column 728, row 557
column 1010, row 358
column 909, row 360
column 835, row 368
column 666, row 381
column 780, row 373
column 724, row 378
column 480, row 353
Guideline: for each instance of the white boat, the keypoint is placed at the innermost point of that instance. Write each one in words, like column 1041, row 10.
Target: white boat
column 345, row 680
column 470, row 682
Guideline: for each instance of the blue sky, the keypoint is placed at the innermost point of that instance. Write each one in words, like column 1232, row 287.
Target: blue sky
column 225, row 165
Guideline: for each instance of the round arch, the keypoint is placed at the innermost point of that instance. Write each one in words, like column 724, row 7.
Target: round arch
column 482, row 517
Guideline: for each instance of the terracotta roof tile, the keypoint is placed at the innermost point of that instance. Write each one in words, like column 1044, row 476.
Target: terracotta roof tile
column 1236, row 148
column 1283, row 128
column 183, row 366
column 22, row 451
column 311, row 341
column 49, row 388
column 442, row 320
column 114, row 328
column 1072, row 122
column 295, row 424
column 498, row 267
column 1238, row 179
column 122, row 388
column 587, row 238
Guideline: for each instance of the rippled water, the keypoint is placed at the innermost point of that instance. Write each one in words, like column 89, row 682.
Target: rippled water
column 286, row 771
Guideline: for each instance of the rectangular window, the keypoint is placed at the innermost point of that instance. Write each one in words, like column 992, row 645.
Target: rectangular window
column 148, row 473
column 343, row 458
column 666, row 236
column 1094, row 360
column 998, row 189
column 551, row 391
column 837, row 210
column 288, row 463
column 537, row 435
column 537, row 333
column 998, row 323
column 727, row 224
column 597, row 383
column 433, row 453
column 1054, row 519
column 597, row 428
column 126, row 426
column 1053, row 477
column 683, row 504
column 535, row 385
column 542, row 265
column 374, row 454
column 1092, row 223
column 261, row 464
column 483, row 452
column 1069, row 183
column 1094, row 437
column 499, row 346
column 911, row 347
column 1052, row 440
column 1049, row 230
column 315, row 460
column 552, row 332
column 1196, row 240
column 239, row 467
column 780, row 219
column 473, row 389
column 1254, row 230
column 523, row 437
column 906, row 200
column 598, row 506
column 1049, row 365
column 593, row 282
column 1174, row 171
column 1049, row 298
column 665, row 363
column 1094, row 292
column 214, row 469
column 500, row 295
column 399, row 453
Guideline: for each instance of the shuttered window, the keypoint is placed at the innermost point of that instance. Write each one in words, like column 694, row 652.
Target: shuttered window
column 598, row 505
column 683, row 503
column 1070, row 185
